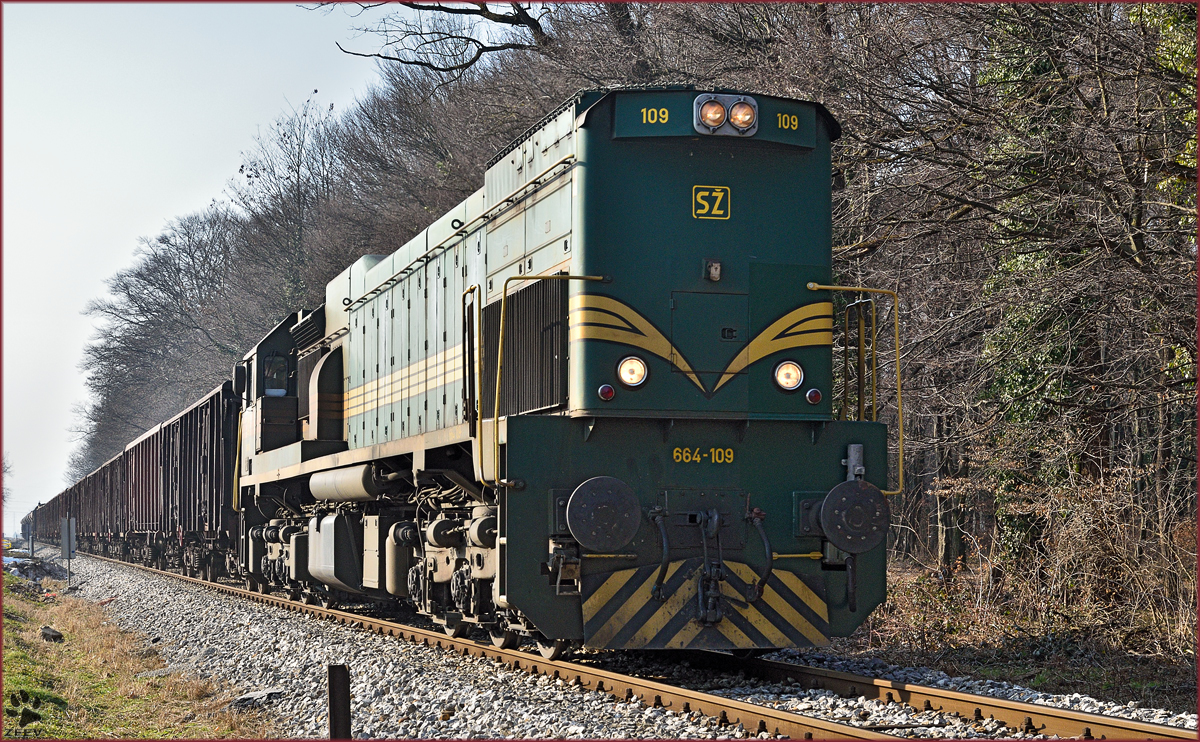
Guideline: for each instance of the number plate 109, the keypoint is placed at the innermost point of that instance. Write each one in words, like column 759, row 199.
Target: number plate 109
column 703, row 456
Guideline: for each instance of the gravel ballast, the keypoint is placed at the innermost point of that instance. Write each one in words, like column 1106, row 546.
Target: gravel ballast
column 277, row 659
column 994, row 688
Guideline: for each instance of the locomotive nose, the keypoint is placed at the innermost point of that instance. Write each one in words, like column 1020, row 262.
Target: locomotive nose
column 854, row 516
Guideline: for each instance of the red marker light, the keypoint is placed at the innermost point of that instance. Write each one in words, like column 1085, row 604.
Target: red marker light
column 606, row 392
column 813, row 396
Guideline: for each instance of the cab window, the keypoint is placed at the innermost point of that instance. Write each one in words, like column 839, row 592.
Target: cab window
column 275, row 376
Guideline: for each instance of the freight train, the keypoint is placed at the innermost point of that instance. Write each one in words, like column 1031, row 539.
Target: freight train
column 592, row 405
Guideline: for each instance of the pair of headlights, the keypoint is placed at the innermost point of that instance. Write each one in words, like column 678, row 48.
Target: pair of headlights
column 632, row 372
column 741, row 114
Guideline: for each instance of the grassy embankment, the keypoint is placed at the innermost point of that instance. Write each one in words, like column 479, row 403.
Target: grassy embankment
column 970, row 625
column 88, row 686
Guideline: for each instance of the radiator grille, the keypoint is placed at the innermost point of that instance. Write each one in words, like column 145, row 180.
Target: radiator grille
column 535, row 350
column 310, row 329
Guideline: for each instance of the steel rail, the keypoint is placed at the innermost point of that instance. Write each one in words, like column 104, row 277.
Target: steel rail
column 754, row 718
column 1029, row 718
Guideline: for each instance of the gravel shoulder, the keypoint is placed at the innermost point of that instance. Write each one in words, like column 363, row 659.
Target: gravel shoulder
column 277, row 659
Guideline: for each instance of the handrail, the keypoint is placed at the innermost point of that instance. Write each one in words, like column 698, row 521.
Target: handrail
column 814, row 286
column 500, row 357
column 478, row 371
column 861, row 344
column 461, row 232
column 237, row 464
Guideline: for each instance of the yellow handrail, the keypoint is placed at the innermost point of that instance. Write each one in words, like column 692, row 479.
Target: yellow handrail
column 814, row 286
column 500, row 357
column 861, row 346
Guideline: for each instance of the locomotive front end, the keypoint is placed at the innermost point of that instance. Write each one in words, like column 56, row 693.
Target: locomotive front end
column 696, row 491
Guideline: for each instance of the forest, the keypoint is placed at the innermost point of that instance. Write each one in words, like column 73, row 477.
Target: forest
column 1023, row 176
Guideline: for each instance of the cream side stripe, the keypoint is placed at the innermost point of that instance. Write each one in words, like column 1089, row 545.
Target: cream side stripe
column 411, row 390
column 426, row 365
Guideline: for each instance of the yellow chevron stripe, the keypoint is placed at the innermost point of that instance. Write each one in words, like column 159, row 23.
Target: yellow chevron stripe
column 804, row 592
column 605, row 592
column 792, row 330
column 735, row 635
column 781, row 606
column 685, row 635
column 630, row 607
column 663, row 615
column 595, row 317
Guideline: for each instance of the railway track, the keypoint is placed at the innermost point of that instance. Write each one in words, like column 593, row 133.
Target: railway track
column 755, row 718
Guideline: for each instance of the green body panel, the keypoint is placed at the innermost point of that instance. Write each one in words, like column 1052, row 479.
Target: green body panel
column 634, row 220
column 772, row 460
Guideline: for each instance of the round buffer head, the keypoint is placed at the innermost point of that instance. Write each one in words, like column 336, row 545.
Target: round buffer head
column 855, row 516
column 603, row 514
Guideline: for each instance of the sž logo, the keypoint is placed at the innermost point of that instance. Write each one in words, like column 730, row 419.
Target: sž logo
column 710, row 202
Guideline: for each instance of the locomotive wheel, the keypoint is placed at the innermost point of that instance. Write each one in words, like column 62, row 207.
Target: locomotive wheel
column 551, row 649
column 328, row 602
column 456, row 631
column 503, row 638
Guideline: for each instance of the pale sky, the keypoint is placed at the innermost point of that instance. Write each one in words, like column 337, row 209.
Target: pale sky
column 117, row 118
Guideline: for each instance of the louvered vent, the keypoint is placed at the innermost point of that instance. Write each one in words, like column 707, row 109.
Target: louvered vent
column 310, row 329
column 535, row 350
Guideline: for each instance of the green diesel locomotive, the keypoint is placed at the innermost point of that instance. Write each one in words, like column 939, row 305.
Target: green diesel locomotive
column 592, row 403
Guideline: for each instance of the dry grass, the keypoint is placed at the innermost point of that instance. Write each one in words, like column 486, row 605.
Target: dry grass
column 89, row 687
column 982, row 623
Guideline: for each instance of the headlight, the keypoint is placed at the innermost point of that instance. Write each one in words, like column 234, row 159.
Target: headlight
column 789, row 376
column 712, row 114
column 632, row 371
column 742, row 115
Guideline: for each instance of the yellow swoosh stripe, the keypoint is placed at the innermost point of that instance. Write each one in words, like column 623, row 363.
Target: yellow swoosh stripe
column 595, row 317
column 811, row 324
